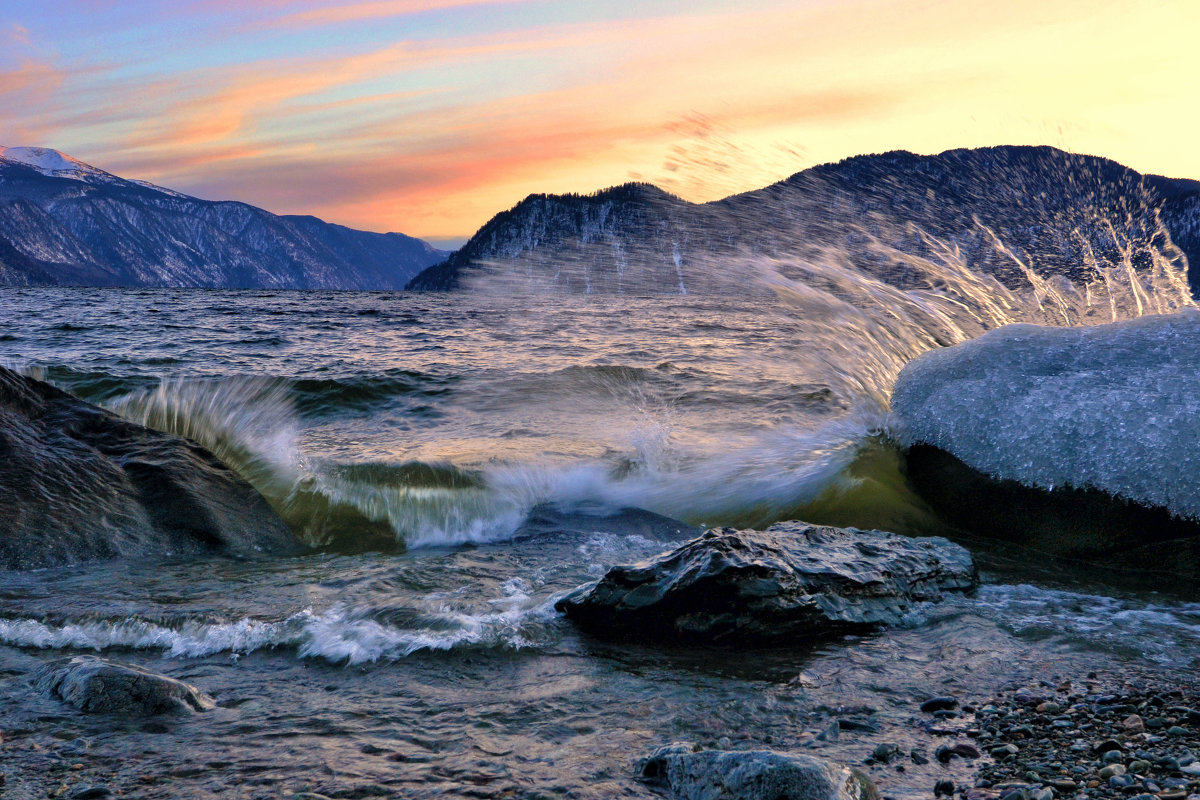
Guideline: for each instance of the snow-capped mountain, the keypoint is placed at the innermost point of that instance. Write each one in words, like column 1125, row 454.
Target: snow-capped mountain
column 69, row 223
column 1000, row 210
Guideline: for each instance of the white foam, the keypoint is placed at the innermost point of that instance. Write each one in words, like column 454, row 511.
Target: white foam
column 1109, row 623
column 338, row 634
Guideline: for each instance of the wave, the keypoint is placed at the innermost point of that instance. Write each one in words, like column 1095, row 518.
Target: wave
column 853, row 333
column 340, row 634
column 324, row 397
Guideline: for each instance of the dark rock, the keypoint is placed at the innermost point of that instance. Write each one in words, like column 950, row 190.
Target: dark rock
column 945, row 786
column 939, row 704
column 78, row 483
column 962, row 750
column 91, row 793
column 791, row 581
column 884, row 753
column 751, row 775
column 97, row 686
column 858, row 724
column 1106, row 746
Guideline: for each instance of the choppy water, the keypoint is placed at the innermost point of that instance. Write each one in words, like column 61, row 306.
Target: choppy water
column 484, row 450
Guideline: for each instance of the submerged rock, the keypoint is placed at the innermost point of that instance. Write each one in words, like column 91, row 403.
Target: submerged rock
column 1076, row 440
column 78, row 483
column 790, row 581
column 98, row 686
column 751, row 775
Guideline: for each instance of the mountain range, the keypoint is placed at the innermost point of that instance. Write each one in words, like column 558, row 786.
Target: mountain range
column 64, row 222
column 1002, row 210
column 1005, row 211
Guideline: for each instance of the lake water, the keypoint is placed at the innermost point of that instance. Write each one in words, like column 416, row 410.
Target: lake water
column 506, row 449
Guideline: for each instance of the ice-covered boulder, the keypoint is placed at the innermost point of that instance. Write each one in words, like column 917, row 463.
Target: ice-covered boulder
column 1083, row 439
column 98, row 686
column 791, row 581
column 687, row 772
column 78, row 483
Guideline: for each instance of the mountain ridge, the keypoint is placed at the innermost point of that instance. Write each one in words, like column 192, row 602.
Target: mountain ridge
column 1055, row 211
column 65, row 222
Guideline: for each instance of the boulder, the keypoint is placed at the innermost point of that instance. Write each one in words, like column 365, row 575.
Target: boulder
column 695, row 774
column 78, row 483
column 1077, row 441
column 790, row 581
column 98, row 686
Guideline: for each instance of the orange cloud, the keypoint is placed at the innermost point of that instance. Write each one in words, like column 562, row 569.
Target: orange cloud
column 433, row 137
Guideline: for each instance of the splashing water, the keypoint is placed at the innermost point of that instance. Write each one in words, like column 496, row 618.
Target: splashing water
column 851, row 330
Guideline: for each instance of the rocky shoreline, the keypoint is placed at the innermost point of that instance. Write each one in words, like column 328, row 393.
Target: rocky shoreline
column 1099, row 736
column 1091, row 739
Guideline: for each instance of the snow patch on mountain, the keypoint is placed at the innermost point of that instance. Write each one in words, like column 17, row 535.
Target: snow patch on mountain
column 51, row 162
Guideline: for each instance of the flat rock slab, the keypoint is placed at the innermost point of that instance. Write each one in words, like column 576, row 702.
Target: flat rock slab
column 751, row 775
column 78, row 483
column 98, row 686
column 791, row 581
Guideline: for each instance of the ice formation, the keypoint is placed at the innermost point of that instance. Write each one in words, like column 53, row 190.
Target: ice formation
column 1112, row 407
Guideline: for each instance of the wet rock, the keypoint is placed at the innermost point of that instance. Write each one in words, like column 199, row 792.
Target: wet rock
column 790, row 581
column 939, row 704
column 78, row 483
column 695, row 774
column 858, row 724
column 885, row 752
column 91, row 793
column 962, row 750
column 98, row 686
column 944, row 787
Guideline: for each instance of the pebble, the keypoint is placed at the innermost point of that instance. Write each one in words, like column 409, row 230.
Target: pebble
column 1134, row 750
column 885, row 752
column 91, row 793
column 939, row 704
column 1133, row 723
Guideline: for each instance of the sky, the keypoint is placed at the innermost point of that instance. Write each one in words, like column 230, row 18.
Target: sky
column 430, row 116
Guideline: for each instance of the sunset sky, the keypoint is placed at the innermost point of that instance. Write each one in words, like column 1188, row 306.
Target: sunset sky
column 429, row 116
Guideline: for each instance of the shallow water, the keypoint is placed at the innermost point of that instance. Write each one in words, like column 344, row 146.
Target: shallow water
column 498, row 440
